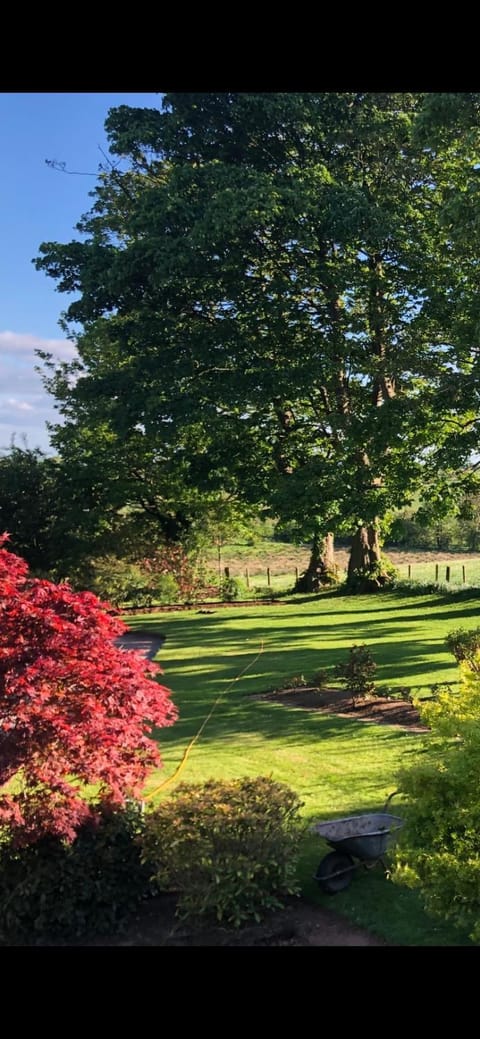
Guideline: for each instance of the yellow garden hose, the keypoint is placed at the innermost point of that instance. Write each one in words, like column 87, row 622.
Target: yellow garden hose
column 187, row 750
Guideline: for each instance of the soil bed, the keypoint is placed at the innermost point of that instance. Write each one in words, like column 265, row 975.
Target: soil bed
column 380, row 709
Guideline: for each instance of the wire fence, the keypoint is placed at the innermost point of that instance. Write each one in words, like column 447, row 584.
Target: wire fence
column 463, row 572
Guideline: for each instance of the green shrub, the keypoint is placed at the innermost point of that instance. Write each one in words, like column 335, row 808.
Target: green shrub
column 459, row 593
column 321, row 678
column 465, row 646
column 228, row 848
column 381, row 576
column 231, row 588
column 56, row 890
column 265, row 591
column 357, row 673
column 439, row 848
column 410, row 588
column 123, row 583
column 296, row 682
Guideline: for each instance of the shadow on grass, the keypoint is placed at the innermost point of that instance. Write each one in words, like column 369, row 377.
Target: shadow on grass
column 290, row 725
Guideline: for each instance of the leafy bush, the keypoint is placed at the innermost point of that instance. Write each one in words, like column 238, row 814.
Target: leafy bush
column 52, row 889
column 124, row 583
column 465, row 646
column 228, row 848
column 321, row 678
column 457, row 593
column 264, row 591
column 173, row 560
column 231, row 588
column 296, row 682
column 381, row 575
column 439, row 848
column 410, row 588
column 357, row 673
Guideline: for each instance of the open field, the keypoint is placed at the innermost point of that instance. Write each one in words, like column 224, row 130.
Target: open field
column 337, row 765
column 282, row 559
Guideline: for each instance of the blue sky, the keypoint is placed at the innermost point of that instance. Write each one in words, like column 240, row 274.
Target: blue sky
column 38, row 204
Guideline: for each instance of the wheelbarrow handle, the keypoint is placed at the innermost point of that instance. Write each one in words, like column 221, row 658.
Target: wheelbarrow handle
column 389, row 798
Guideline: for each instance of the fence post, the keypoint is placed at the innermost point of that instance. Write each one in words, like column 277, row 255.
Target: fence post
column 226, row 571
column 409, row 570
column 268, row 576
column 296, row 574
column 463, row 573
column 247, row 577
column 447, row 573
column 436, row 571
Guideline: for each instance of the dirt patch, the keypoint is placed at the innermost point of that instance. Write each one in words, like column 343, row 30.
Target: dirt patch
column 300, row 923
column 380, row 709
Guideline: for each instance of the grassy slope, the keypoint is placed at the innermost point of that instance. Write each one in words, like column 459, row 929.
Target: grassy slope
column 338, row 766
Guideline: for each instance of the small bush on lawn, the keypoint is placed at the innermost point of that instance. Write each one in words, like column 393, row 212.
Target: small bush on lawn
column 296, row 682
column 357, row 673
column 465, row 646
column 321, row 678
column 52, row 889
column 228, row 848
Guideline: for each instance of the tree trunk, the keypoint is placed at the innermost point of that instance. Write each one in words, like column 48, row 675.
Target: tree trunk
column 321, row 568
column 365, row 555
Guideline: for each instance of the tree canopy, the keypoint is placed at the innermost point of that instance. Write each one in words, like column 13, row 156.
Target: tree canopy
column 264, row 300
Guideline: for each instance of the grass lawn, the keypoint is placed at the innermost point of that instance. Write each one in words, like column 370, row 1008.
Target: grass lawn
column 338, row 766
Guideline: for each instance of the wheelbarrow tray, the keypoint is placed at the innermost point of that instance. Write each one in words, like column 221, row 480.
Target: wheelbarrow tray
column 364, row 836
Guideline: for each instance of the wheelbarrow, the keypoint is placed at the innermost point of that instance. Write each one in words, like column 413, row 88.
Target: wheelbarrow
column 362, row 837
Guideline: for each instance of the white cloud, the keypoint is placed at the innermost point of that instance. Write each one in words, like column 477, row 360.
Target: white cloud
column 25, row 406
column 18, row 343
column 20, row 405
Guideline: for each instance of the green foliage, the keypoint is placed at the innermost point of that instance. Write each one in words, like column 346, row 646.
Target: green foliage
column 455, row 593
column 376, row 577
column 124, row 583
column 439, row 852
column 357, row 673
column 321, row 678
column 229, row 848
column 408, row 587
column 56, row 890
column 256, row 289
column 231, row 588
column 445, row 518
column 465, row 646
column 36, row 508
column 294, row 682
column 265, row 591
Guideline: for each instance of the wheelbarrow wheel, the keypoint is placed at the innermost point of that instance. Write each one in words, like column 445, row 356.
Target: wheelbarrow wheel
column 335, row 872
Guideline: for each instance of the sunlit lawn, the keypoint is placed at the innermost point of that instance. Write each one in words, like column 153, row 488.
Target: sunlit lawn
column 338, row 766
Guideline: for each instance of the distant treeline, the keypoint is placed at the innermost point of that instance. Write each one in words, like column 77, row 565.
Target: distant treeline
column 411, row 530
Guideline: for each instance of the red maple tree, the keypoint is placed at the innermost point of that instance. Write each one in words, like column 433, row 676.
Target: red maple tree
column 75, row 710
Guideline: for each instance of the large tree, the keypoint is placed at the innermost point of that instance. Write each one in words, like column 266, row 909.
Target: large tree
column 252, row 293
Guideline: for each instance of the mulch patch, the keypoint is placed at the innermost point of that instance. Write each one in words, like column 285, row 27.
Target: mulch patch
column 380, row 709
column 299, row 924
